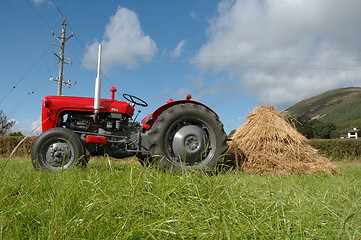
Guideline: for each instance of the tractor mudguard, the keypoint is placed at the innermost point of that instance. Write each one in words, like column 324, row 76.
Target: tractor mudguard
column 148, row 121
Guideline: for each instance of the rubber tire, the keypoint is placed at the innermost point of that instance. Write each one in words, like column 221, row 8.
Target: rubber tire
column 54, row 135
column 161, row 131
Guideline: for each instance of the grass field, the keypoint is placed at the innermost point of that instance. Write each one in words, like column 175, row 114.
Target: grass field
column 110, row 200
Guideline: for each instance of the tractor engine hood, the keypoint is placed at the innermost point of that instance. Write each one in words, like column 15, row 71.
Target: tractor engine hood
column 52, row 106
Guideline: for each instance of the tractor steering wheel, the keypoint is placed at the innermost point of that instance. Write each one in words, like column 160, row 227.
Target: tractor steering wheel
column 135, row 100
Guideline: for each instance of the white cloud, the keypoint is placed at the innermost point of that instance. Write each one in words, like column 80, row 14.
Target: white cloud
column 181, row 93
column 179, row 49
column 37, row 2
column 124, row 43
column 194, row 16
column 33, row 130
column 285, row 50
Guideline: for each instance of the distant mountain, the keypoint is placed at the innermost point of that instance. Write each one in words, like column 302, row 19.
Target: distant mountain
column 340, row 106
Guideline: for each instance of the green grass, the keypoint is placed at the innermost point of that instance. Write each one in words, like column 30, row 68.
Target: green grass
column 110, row 200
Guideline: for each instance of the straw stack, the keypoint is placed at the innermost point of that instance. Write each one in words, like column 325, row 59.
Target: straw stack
column 267, row 144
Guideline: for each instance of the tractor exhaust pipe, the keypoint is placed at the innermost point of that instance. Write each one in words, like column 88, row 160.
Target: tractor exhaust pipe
column 97, row 86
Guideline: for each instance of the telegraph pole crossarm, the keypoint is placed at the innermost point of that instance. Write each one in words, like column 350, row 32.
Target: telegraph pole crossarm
column 62, row 39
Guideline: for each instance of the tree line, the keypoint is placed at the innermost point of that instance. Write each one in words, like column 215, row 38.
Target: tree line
column 5, row 124
column 313, row 128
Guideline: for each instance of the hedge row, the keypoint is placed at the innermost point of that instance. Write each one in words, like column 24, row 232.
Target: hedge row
column 8, row 144
column 335, row 149
column 338, row 149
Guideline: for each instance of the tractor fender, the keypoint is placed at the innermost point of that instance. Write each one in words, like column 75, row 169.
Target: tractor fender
column 148, row 121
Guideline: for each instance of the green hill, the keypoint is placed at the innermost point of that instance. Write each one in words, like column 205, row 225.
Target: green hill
column 340, row 106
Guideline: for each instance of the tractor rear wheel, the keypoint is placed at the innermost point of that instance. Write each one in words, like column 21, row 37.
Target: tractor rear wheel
column 57, row 149
column 188, row 136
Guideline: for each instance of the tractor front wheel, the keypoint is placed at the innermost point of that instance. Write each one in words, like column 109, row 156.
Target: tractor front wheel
column 188, row 136
column 57, row 149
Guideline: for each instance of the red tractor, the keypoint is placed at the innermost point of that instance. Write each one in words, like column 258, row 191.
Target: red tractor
column 182, row 134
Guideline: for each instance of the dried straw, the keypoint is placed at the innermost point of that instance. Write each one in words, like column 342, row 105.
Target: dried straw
column 267, row 144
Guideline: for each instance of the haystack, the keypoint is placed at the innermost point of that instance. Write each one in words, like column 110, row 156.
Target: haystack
column 267, row 144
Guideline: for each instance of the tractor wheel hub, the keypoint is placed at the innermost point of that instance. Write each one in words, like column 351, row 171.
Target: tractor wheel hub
column 188, row 143
column 58, row 153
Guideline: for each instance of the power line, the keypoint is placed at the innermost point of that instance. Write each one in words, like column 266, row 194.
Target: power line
column 76, row 37
column 20, row 104
column 62, row 39
column 30, row 93
column 36, row 11
column 56, row 6
column 93, row 61
column 81, row 43
column 249, row 65
column 23, row 77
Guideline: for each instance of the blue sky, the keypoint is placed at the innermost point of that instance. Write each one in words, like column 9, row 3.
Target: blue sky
column 230, row 55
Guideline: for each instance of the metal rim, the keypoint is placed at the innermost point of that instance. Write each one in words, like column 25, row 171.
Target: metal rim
column 190, row 143
column 57, row 153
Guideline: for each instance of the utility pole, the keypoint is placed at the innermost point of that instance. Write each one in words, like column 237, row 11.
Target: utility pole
column 62, row 39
